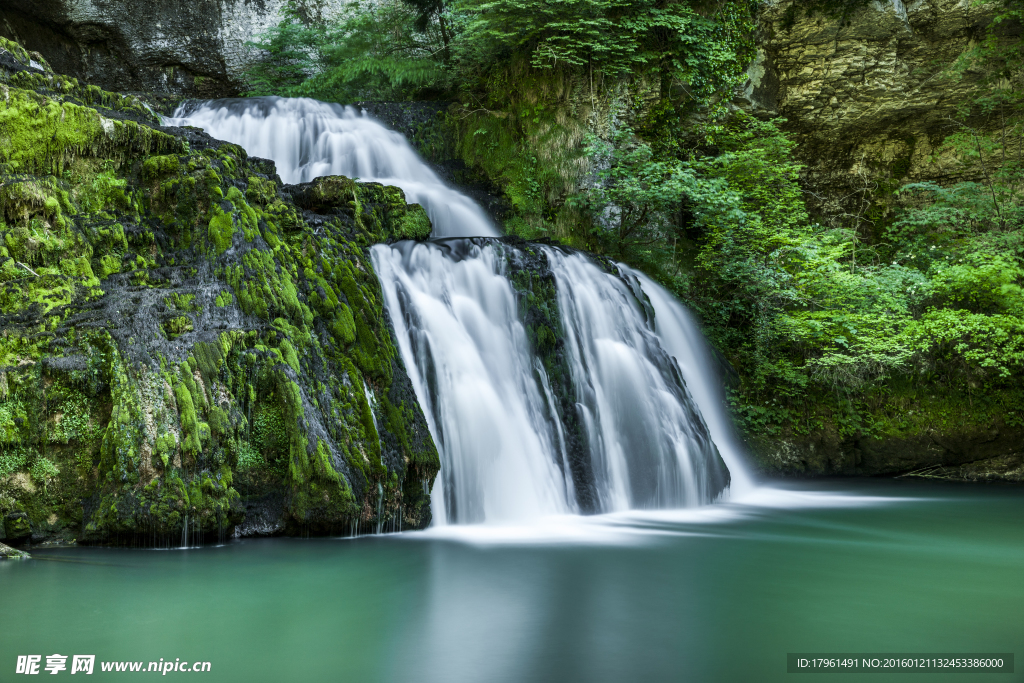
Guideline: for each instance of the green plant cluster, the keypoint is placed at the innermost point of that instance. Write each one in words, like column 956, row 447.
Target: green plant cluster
column 402, row 48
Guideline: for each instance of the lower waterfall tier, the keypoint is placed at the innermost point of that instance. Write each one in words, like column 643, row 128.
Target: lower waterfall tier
column 545, row 383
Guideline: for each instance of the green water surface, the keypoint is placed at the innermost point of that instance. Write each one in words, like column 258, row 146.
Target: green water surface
column 920, row 568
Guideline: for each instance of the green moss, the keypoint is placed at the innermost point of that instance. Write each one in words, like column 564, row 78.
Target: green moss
column 16, row 50
column 289, row 356
column 344, row 327
column 41, row 134
column 221, row 230
column 208, row 359
column 106, row 197
column 415, row 225
column 177, row 326
column 161, row 166
column 219, row 422
column 165, row 444
column 185, row 303
column 109, row 265
column 261, row 191
column 189, row 424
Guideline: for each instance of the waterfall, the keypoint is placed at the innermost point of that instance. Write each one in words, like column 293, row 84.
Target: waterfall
column 488, row 394
column 551, row 383
column 649, row 446
column 681, row 336
column 308, row 139
column 465, row 348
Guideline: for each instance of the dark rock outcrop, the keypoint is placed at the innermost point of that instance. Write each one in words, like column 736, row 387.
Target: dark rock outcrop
column 194, row 48
column 188, row 347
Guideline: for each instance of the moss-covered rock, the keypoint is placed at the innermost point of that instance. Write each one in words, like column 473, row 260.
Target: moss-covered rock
column 900, row 430
column 9, row 553
column 185, row 338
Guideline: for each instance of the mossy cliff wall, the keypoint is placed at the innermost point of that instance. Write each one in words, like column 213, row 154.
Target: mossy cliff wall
column 188, row 348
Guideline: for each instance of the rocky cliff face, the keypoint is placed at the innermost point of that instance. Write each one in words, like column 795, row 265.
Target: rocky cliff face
column 188, row 48
column 865, row 92
column 862, row 88
column 189, row 348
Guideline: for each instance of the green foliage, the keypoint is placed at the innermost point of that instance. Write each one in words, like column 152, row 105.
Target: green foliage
column 998, row 59
column 396, row 49
column 839, row 10
column 249, row 458
column 371, row 50
column 811, row 315
column 704, row 52
column 12, row 460
column 634, row 194
column 43, row 470
column 290, row 49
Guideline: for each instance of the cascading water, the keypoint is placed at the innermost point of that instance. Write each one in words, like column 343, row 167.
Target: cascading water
column 308, row 139
column 648, row 444
column 603, row 420
column 488, row 397
column 466, row 351
column 681, row 336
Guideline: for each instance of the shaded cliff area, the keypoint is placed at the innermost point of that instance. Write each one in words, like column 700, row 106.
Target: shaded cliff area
column 195, row 48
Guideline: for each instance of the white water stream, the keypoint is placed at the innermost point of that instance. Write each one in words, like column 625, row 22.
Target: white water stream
column 308, row 139
column 641, row 374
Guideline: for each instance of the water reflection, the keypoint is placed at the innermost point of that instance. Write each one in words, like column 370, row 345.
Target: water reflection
column 712, row 595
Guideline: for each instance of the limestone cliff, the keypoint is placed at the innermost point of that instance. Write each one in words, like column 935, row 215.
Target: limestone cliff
column 191, row 48
column 866, row 91
column 190, row 348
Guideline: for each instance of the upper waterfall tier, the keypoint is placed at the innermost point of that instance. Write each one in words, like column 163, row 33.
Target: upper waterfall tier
column 308, row 139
